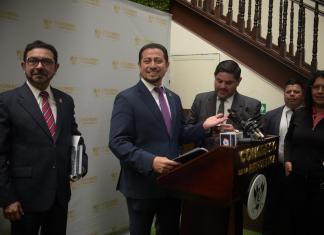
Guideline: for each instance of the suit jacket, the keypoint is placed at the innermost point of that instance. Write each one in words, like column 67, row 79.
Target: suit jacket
column 138, row 134
column 304, row 145
column 272, row 119
column 34, row 168
column 204, row 106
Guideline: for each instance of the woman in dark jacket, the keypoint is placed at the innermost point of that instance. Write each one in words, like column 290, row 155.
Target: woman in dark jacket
column 304, row 161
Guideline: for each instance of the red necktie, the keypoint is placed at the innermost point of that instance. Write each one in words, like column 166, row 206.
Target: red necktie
column 47, row 113
column 164, row 109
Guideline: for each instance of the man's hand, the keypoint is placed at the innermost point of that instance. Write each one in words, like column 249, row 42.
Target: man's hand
column 288, row 168
column 214, row 121
column 225, row 127
column 163, row 164
column 13, row 211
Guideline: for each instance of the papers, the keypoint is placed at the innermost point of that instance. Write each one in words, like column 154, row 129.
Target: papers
column 190, row 155
column 76, row 157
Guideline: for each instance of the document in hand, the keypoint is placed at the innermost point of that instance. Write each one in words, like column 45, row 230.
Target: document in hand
column 76, row 157
column 183, row 158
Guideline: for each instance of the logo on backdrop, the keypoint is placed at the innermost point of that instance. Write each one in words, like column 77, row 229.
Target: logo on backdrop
column 141, row 41
column 124, row 10
column 101, row 33
column 98, row 92
column 257, row 196
column 123, row 65
column 88, row 120
column 8, row 16
column 83, row 60
column 158, row 20
column 63, row 25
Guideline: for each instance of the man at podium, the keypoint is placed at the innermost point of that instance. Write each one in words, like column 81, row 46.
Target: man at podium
column 227, row 78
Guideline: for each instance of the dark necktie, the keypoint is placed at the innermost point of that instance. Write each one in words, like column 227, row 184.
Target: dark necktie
column 47, row 113
column 164, row 109
column 221, row 105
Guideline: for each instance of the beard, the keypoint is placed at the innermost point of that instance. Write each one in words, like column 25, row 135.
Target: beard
column 153, row 81
column 39, row 78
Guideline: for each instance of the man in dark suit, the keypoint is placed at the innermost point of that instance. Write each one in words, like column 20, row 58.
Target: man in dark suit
column 276, row 122
column 227, row 79
column 225, row 96
column 146, row 131
column 36, row 128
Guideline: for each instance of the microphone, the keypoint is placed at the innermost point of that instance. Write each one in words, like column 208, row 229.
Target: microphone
column 249, row 126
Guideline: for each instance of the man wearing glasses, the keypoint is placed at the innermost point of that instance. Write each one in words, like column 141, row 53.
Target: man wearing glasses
column 36, row 128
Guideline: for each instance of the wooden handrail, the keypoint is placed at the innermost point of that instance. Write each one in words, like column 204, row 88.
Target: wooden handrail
column 293, row 56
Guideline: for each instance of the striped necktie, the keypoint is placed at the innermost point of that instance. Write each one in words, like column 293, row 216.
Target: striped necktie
column 47, row 113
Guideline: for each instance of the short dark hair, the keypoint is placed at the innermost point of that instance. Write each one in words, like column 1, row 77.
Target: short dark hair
column 229, row 66
column 308, row 94
column 40, row 44
column 295, row 81
column 154, row 46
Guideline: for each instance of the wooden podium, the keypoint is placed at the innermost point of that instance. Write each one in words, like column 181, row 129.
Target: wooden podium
column 222, row 178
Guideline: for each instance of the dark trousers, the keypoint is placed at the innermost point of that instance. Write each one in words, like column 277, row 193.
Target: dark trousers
column 50, row 222
column 142, row 211
column 306, row 196
column 276, row 219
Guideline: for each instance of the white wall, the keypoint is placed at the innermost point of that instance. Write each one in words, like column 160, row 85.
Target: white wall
column 98, row 43
column 184, row 42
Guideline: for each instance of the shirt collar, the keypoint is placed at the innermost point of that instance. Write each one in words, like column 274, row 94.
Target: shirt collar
column 36, row 91
column 149, row 86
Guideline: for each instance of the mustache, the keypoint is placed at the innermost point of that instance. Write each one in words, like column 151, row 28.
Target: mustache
column 39, row 72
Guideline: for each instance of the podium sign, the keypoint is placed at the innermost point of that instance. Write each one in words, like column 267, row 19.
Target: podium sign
column 223, row 175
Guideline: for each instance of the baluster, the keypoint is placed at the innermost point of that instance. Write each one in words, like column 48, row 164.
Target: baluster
column 248, row 26
column 315, row 36
column 221, row 7
column 256, row 24
column 240, row 18
column 269, row 33
column 280, row 23
column 229, row 17
column 291, row 43
column 200, row 3
column 260, row 16
column 211, row 7
column 283, row 45
column 299, row 37
column 217, row 9
column 205, row 6
column 194, row 3
column 303, row 36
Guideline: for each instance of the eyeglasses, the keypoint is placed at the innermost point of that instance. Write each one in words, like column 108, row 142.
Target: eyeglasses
column 34, row 61
column 318, row 87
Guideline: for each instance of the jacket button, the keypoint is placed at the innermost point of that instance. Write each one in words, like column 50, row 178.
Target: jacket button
column 53, row 166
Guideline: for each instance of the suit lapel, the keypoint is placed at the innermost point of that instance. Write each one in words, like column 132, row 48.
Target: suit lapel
column 28, row 102
column 277, row 120
column 238, row 106
column 211, row 104
column 149, row 101
column 173, row 110
column 59, row 116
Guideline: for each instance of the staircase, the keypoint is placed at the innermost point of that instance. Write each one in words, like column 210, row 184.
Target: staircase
column 274, row 55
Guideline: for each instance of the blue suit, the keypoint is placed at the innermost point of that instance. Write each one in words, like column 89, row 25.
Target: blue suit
column 138, row 134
